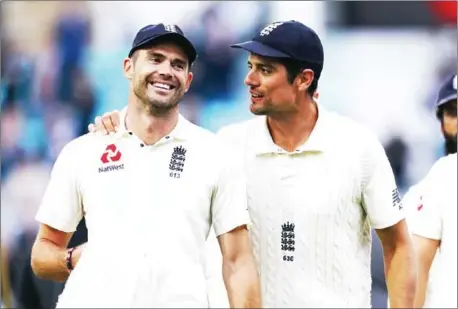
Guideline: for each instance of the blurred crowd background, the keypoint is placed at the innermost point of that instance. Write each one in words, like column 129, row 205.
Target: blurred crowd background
column 61, row 65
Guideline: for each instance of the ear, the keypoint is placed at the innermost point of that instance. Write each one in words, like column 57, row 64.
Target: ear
column 304, row 79
column 128, row 68
column 188, row 81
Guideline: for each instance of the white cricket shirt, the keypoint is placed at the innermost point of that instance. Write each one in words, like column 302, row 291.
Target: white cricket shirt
column 311, row 210
column 435, row 218
column 148, row 211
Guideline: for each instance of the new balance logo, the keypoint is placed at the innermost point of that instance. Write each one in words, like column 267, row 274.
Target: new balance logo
column 267, row 30
column 110, row 155
column 396, row 198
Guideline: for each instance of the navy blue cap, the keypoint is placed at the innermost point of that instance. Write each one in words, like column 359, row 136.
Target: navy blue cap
column 287, row 39
column 447, row 91
column 151, row 33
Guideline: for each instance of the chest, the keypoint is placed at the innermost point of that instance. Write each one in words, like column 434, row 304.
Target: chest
column 146, row 186
column 306, row 184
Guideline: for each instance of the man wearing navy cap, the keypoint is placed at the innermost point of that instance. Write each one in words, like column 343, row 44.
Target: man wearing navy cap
column 317, row 183
column 429, row 258
column 147, row 188
column 446, row 113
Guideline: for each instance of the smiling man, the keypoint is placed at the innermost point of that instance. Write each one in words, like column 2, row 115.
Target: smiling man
column 149, row 189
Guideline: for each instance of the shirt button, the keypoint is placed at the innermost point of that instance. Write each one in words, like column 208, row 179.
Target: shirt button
column 130, row 133
column 167, row 137
column 142, row 145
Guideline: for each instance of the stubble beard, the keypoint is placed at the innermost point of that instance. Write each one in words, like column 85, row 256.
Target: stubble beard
column 157, row 107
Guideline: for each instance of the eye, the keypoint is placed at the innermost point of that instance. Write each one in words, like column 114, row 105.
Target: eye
column 266, row 71
column 155, row 60
column 179, row 66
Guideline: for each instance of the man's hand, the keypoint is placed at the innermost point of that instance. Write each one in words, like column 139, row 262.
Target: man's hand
column 108, row 123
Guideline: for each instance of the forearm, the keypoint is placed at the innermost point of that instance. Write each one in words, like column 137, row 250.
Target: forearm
column 242, row 283
column 401, row 277
column 49, row 261
column 422, row 282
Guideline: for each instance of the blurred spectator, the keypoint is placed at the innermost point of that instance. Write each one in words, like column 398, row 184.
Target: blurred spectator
column 216, row 61
column 83, row 100
column 72, row 36
column 21, row 195
column 397, row 152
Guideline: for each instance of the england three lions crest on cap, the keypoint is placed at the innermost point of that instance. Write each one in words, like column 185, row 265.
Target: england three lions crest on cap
column 177, row 160
column 267, row 30
column 170, row 28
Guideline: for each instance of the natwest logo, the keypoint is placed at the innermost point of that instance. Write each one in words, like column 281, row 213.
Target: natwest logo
column 110, row 155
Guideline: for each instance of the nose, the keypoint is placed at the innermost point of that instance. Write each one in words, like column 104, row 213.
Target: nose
column 251, row 79
column 165, row 70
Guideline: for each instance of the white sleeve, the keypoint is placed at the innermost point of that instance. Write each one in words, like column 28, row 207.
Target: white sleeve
column 426, row 220
column 229, row 200
column 61, row 206
column 380, row 195
column 411, row 200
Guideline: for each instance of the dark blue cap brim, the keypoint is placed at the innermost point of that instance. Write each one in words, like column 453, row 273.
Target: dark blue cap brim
column 187, row 46
column 261, row 49
column 447, row 99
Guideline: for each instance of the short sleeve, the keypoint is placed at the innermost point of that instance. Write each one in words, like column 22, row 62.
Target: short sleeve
column 380, row 195
column 426, row 220
column 229, row 200
column 61, row 206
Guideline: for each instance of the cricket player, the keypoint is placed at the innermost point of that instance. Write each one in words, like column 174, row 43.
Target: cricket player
column 446, row 113
column 149, row 198
column 434, row 227
column 316, row 183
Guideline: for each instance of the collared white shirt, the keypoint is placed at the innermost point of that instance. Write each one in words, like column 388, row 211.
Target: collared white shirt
column 436, row 218
column 148, row 211
column 311, row 210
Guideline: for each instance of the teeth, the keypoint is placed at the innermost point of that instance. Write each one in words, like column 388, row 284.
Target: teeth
column 162, row 86
column 255, row 95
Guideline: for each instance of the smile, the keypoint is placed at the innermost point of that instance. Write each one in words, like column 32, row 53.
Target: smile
column 162, row 86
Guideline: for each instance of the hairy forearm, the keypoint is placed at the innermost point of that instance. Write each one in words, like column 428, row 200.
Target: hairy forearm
column 242, row 283
column 49, row 261
column 400, row 274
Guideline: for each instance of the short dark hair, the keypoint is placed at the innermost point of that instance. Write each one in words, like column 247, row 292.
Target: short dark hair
column 450, row 108
column 294, row 67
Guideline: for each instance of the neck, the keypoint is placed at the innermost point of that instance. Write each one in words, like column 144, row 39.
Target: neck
column 150, row 126
column 291, row 130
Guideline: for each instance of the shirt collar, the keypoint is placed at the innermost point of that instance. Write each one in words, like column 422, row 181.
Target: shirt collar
column 317, row 141
column 180, row 132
